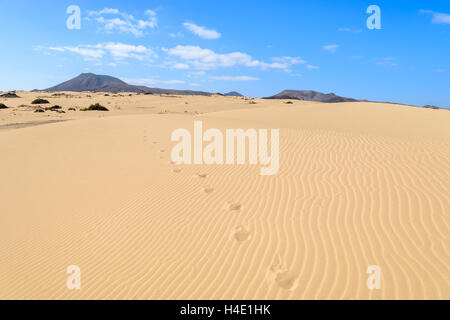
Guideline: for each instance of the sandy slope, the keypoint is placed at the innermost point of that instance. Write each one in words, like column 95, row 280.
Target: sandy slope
column 359, row 184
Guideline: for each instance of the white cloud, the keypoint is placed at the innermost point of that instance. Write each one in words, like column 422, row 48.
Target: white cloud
column 331, row 48
column 437, row 17
column 181, row 66
column 198, row 73
column 289, row 60
column 114, row 20
column 87, row 52
column 237, row 78
column 202, row 31
column 148, row 81
column 105, row 11
column 117, row 50
column 176, row 35
column 208, row 59
column 311, row 67
column 443, row 18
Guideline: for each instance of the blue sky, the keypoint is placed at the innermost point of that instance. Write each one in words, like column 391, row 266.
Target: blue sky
column 258, row 48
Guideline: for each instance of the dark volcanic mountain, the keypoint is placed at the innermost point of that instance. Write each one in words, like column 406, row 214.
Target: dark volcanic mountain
column 100, row 83
column 233, row 94
column 309, row 95
column 92, row 82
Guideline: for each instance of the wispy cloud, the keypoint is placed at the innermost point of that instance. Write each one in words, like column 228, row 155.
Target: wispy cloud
column 236, row 78
column 438, row 17
column 116, row 50
column 208, row 59
column 202, row 32
column 181, row 66
column 331, row 48
column 149, row 81
column 350, row 30
column 387, row 62
column 176, row 35
column 311, row 67
column 113, row 20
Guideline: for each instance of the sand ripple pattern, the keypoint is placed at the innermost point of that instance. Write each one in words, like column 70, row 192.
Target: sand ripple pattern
column 340, row 203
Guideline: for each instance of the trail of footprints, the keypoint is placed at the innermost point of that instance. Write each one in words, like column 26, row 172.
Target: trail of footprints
column 278, row 274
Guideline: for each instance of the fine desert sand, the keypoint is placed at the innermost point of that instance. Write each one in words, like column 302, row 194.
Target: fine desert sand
column 359, row 184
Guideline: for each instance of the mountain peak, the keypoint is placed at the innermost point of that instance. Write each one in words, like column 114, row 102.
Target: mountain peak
column 104, row 83
column 233, row 94
column 310, row 95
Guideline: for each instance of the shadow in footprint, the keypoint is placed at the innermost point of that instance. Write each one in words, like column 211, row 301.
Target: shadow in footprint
column 286, row 280
column 208, row 190
column 234, row 206
column 241, row 234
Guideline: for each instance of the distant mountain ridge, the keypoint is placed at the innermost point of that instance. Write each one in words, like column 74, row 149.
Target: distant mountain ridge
column 103, row 83
column 233, row 94
column 310, row 95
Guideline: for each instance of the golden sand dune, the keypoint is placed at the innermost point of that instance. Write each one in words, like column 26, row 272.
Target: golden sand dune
column 359, row 184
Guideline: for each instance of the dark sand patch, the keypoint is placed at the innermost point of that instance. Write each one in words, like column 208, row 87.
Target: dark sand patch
column 27, row 124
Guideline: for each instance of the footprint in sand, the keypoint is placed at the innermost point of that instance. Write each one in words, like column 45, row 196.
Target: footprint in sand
column 201, row 175
column 176, row 170
column 282, row 277
column 208, row 190
column 286, row 280
column 241, row 234
column 234, row 206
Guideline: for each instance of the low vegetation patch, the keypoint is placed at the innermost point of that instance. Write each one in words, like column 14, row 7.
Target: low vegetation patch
column 95, row 107
column 11, row 94
column 2, row 106
column 54, row 108
column 40, row 101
